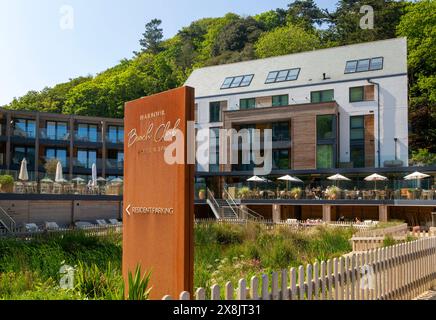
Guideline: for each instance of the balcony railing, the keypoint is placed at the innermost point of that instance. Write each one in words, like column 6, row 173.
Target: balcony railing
column 114, row 164
column 94, row 137
column 112, row 139
column 86, row 164
column 28, row 134
column 45, row 134
column 64, row 161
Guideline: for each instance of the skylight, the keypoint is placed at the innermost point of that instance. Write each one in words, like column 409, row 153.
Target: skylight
column 237, row 81
column 283, row 75
column 363, row 65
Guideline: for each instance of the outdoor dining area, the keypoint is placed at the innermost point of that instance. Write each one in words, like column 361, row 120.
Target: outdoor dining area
column 336, row 187
column 58, row 184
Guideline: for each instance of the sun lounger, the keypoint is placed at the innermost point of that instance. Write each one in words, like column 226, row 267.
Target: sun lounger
column 51, row 226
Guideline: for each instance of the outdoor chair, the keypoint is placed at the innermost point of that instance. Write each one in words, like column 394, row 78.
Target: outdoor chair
column 57, row 188
column 101, row 222
column 115, row 222
column 83, row 225
column 68, row 188
column 46, row 188
column 19, row 187
column 31, row 227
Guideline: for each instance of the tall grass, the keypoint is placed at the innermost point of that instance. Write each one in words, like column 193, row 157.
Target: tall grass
column 223, row 252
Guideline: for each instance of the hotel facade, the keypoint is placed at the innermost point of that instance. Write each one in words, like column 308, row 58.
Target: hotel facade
column 335, row 110
column 76, row 141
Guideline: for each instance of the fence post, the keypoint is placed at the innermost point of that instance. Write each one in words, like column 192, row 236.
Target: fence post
column 274, row 286
column 228, row 293
column 215, row 292
column 242, row 290
column 200, row 294
column 254, row 288
column 284, row 285
column 316, row 280
column 293, row 283
column 265, row 287
column 301, row 282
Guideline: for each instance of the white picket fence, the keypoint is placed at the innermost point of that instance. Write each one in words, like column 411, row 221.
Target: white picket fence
column 399, row 272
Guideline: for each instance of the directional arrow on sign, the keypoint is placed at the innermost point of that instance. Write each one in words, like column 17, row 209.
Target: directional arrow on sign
column 127, row 209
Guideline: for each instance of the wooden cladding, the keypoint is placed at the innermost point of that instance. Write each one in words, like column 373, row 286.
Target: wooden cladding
column 304, row 142
column 263, row 102
column 369, row 141
column 368, row 92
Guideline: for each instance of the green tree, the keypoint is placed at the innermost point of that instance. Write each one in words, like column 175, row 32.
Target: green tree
column 152, row 37
column 418, row 25
column 345, row 21
column 286, row 40
column 305, row 13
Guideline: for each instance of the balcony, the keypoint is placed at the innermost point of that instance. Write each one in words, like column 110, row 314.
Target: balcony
column 87, row 138
column 65, row 162
column 49, row 135
column 114, row 139
column 85, row 166
column 114, row 164
column 23, row 134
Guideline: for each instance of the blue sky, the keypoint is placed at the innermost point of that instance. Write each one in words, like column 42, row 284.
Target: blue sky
column 36, row 52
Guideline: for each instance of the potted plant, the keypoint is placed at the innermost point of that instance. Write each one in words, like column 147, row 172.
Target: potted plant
column 295, row 193
column 202, row 194
column 6, row 183
column 332, row 192
column 243, row 192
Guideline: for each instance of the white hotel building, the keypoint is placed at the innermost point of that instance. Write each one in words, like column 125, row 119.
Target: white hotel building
column 341, row 107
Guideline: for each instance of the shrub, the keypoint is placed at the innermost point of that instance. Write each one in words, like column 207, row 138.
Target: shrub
column 6, row 180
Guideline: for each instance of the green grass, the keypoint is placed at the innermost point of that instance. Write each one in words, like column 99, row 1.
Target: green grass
column 30, row 269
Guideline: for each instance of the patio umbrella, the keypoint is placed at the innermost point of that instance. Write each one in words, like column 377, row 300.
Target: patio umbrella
column 101, row 179
column 24, row 175
column 338, row 177
column 79, row 180
column 256, row 179
column 288, row 179
column 94, row 174
column 375, row 177
column 117, row 180
column 59, row 177
column 416, row 176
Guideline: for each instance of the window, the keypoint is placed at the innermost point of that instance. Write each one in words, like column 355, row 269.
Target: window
column 322, row 96
column 362, row 93
column 356, row 94
column 85, row 158
column 23, row 152
column 238, row 81
column 214, row 140
column 56, row 130
column 357, row 141
column 280, row 159
column 283, row 75
column 115, row 134
column 87, row 132
column 215, row 111
column 24, row 128
column 57, row 153
column 364, row 65
column 247, row 103
column 324, row 156
column 280, row 131
column 326, row 141
column 350, row 66
column 324, row 127
column 281, row 100
column 376, row 64
column 196, row 113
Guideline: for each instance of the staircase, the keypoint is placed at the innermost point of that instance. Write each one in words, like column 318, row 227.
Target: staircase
column 7, row 224
column 229, row 209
